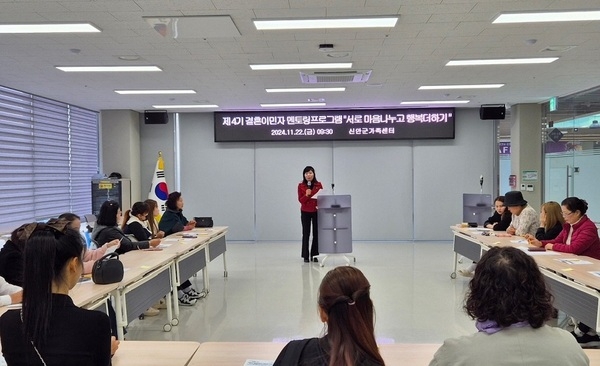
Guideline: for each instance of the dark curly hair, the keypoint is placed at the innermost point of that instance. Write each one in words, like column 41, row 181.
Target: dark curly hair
column 507, row 288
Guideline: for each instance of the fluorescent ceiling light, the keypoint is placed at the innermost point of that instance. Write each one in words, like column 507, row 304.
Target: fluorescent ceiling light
column 107, row 68
column 330, row 65
column 554, row 16
column 473, row 86
column 49, row 28
column 436, row 102
column 181, row 91
column 185, row 106
column 375, row 22
column 275, row 105
column 503, row 61
column 304, row 90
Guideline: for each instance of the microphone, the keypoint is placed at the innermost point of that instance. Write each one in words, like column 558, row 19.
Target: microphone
column 481, row 180
column 309, row 184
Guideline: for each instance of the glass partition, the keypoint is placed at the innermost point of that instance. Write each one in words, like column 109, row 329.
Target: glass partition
column 571, row 148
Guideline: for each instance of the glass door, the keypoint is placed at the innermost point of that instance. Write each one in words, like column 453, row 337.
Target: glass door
column 571, row 148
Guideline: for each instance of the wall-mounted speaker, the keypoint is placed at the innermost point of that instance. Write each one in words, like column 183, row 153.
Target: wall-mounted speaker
column 492, row 111
column 156, row 117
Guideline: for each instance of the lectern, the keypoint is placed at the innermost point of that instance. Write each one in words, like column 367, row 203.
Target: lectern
column 335, row 226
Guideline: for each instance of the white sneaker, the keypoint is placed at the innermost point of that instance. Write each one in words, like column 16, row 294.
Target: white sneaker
column 151, row 312
column 465, row 273
column 185, row 300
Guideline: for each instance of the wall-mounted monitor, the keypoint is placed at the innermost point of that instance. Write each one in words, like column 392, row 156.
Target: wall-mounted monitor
column 366, row 124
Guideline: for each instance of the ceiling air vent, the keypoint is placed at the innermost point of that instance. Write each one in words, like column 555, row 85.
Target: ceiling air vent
column 335, row 77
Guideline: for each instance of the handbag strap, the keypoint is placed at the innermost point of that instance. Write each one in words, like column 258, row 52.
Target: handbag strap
column 33, row 345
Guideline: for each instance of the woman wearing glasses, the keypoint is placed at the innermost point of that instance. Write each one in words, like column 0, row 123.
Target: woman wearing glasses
column 578, row 236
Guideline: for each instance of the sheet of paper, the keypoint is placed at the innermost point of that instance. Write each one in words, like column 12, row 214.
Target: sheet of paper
column 258, row 363
column 595, row 273
column 163, row 245
column 111, row 249
column 519, row 241
column 574, row 261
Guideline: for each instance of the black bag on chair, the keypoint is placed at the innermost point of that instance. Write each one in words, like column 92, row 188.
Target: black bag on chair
column 108, row 269
column 203, row 221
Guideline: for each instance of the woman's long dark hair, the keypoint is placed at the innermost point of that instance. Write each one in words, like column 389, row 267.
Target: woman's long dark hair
column 344, row 296
column 47, row 252
column 108, row 214
column 152, row 204
column 309, row 169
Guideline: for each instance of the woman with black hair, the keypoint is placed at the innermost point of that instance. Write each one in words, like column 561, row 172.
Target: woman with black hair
column 107, row 229
column 307, row 189
column 579, row 236
column 345, row 306
column 50, row 329
column 510, row 302
column 173, row 221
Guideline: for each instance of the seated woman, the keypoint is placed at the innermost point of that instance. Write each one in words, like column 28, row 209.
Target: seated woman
column 499, row 221
column 90, row 256
column 346, row 307
column 154, row 218
column 579, row 236
column 524, row 218
column 50, row 329
column 510, row 302
column 135, row 222
column 106, row 230
column 551, row 222
column 173, row 221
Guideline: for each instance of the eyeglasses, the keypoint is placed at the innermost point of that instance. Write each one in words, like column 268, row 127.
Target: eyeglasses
column 565, row 214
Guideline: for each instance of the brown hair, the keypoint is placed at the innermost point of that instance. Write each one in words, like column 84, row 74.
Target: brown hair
column 152, row 204
column 553, row 214
column 344, row 296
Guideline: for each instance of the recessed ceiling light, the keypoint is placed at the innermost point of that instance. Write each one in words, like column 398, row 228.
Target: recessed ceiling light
column 554, row 16
column 107, row 68
column 185, row 106
column 329, row 65
column 503, row 61
column 374, row 22
column 49, row 28
column 436, row 102
column 275, row 105
column 157, row 91
column 304, row 90
column 473, row 86
column 338, row 54
column 129, row 57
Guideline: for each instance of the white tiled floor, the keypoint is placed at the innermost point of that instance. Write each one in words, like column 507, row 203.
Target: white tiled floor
column 270, row 294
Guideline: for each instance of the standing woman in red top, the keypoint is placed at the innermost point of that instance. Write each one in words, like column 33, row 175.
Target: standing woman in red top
column 308, row 212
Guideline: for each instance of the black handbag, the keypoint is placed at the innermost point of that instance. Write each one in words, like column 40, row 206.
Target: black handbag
column 108, row 269
column 204, row 221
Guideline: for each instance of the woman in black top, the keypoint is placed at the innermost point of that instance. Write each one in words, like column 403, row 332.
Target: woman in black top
column 501, row 218
column 106, row 229
column 135, row 222
column 346, row 307
column 551, row 222
column 50, row 329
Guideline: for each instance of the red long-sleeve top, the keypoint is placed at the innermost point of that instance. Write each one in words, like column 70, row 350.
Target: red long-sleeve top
column 308, row 204
column 584, row 240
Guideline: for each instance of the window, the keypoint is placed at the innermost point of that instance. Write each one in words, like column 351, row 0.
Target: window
column 48, row 154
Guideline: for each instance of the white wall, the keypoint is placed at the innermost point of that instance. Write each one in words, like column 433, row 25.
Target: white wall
column 401, row 190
